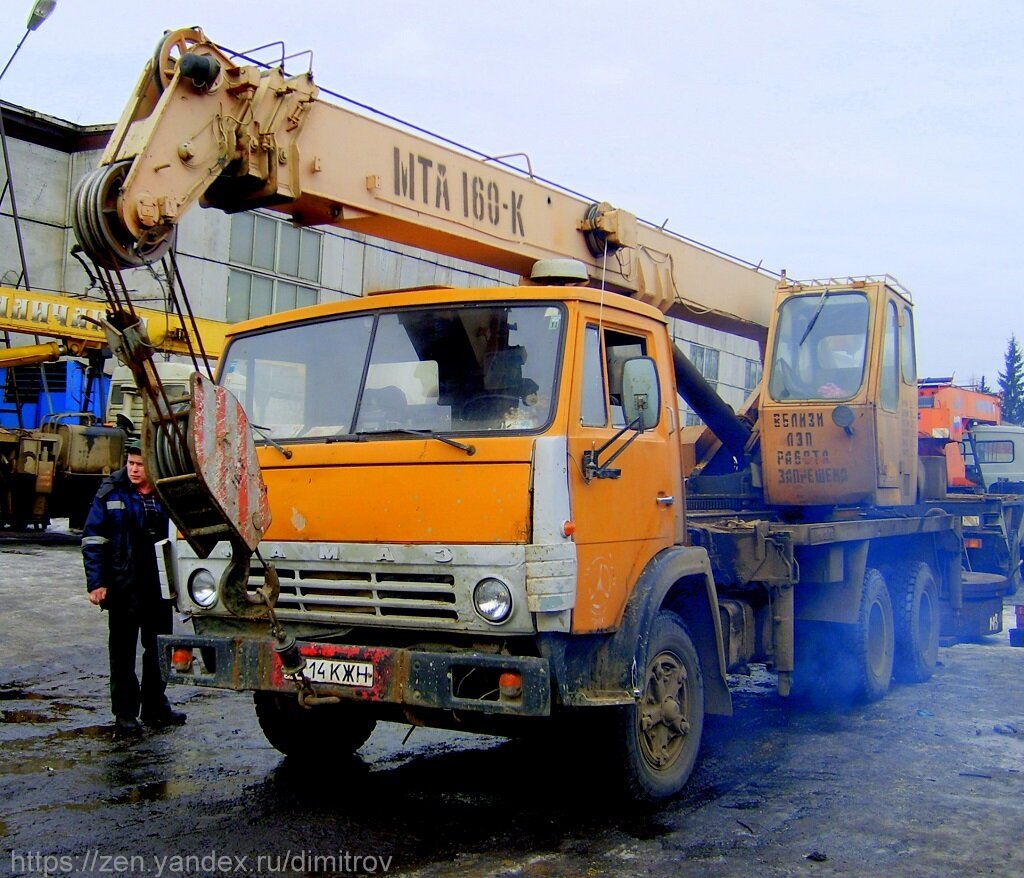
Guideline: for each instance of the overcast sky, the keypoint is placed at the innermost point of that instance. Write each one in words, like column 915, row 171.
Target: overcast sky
column 838, row 137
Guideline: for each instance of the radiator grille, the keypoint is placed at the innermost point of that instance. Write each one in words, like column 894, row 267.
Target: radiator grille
column 362, row 594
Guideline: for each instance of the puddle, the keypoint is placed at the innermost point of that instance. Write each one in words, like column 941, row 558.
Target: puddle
column 155, row 791
column 88, row 807
column 17, row 693
column 25, row 716
column 31, row 766
column 105, row 731
column 54, row 712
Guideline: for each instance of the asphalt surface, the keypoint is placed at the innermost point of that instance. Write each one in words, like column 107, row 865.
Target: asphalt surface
column 928, row 782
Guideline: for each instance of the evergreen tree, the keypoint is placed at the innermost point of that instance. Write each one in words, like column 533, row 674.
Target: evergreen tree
column 983, row 386
column 1011, row 384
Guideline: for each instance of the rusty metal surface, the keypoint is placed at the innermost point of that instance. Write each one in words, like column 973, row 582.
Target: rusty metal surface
column 91, row 449
column 222, row 448
column 402, row 676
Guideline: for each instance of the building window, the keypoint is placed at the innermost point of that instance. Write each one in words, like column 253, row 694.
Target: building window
column 751, row 375
column 276, row 247
column 254, row 295
column 706, row 361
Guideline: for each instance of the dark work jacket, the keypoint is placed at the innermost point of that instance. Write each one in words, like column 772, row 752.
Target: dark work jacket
column 116, row 547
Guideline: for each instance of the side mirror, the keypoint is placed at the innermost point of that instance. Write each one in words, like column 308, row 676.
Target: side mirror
column 641, row 393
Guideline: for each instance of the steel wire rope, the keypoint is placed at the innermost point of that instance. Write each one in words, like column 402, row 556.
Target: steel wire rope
column 172, row 456
column 192, row 328
column 419, row 129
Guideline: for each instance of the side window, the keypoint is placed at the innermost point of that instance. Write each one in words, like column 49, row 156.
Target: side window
column 909, row 357
column 593, row 414
column 619, row 347
column 1000, row 451
column 890, row 384
column 598, row 397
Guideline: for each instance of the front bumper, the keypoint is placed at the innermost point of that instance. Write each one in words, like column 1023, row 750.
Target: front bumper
column 461, row 680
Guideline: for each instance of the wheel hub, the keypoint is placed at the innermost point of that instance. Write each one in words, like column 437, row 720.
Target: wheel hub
column 662, row 711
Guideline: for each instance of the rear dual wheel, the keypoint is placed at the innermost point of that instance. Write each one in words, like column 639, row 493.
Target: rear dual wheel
column 915, row 599
column 871, row 642
column 850, row 662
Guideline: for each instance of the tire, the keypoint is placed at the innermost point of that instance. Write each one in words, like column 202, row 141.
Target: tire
column 871, row 641
column 657, row 740
column 301, row 732
column 915, row 601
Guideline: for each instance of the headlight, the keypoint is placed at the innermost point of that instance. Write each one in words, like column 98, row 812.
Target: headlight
column 202, row 588
column 492, row 600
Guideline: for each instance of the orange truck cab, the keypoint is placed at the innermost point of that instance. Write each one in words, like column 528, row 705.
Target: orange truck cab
column 481, row 506
column 945, row 414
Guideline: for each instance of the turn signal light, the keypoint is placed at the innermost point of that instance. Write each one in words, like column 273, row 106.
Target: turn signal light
column 510, row 684
column 568, row 528
column 181, row 660
column 972, row 543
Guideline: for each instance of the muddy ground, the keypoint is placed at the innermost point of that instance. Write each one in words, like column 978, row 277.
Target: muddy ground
column 928, row 782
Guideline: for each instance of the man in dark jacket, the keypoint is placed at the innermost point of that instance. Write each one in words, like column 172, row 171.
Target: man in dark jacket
column 125, row 521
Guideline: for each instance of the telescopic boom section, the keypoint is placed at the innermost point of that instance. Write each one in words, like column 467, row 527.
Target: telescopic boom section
column 203, row 127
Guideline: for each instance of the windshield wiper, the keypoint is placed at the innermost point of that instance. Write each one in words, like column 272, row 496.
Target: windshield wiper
column 270, row 440
column 422, row 434
column 814, row 318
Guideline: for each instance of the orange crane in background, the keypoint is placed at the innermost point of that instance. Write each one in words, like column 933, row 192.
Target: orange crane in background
column 945, row 415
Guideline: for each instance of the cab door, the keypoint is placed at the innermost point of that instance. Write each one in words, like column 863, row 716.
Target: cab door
column 621, row 522
column 896, row 412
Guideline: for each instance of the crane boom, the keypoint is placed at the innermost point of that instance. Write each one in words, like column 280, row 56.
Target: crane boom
column 75, row 322
column 202, row 126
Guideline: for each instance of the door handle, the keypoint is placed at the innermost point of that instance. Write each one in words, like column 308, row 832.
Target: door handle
column 666, row 501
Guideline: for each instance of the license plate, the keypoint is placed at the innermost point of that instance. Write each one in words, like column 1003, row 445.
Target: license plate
column 339, row 672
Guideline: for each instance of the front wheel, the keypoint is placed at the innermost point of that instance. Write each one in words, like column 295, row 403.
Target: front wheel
column 658, row 737
column 301, row 732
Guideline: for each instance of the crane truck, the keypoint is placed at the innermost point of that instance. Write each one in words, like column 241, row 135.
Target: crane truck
column 468, row 508
column 966, row 447
column 52, row 469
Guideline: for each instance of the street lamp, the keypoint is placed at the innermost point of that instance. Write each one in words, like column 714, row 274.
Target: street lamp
column 41, row 10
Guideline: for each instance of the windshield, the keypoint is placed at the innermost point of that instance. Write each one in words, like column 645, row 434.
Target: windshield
column 820, row 347
column 470, row 369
